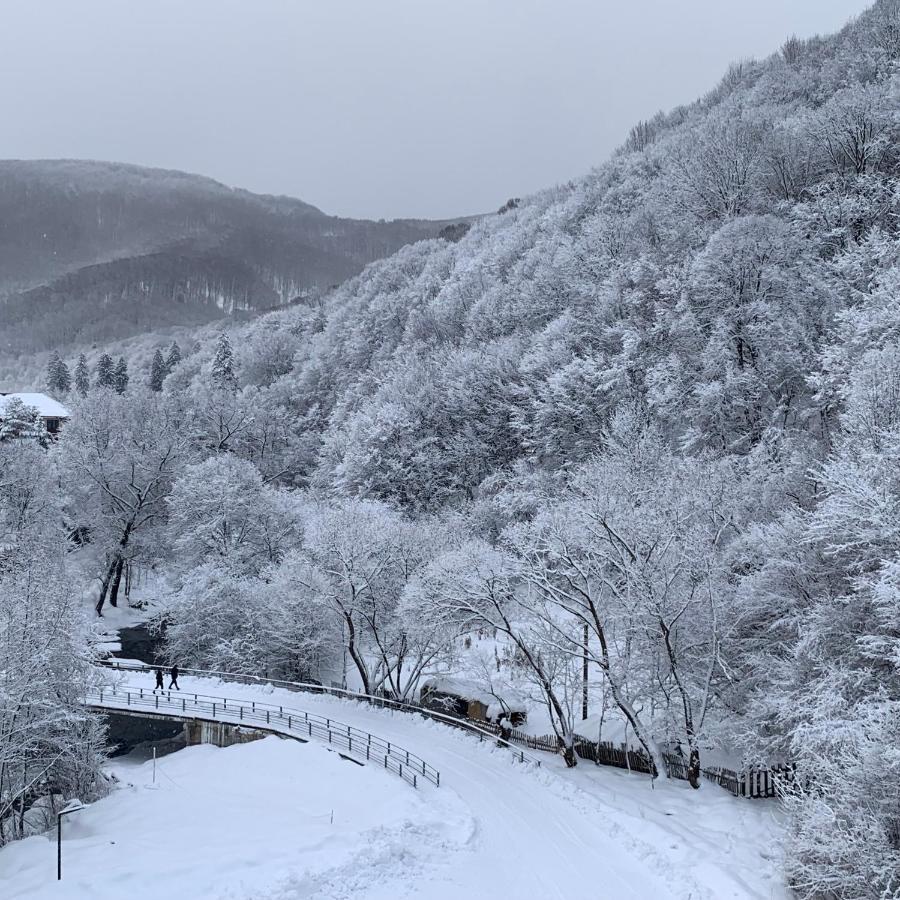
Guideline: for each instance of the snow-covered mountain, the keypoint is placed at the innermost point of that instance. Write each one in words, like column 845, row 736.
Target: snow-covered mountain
column 95, row 251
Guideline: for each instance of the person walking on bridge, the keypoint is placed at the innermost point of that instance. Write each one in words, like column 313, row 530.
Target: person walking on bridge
column 174, row 682
column 159, row 679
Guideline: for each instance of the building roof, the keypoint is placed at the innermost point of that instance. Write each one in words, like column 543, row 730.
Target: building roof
column 468, row 690
column 47, row 407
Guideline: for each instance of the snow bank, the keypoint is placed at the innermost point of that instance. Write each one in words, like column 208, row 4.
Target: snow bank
column 248, row 821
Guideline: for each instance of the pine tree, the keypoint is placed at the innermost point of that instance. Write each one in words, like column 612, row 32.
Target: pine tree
column 59, row 381
column 106, row 376
column 121, row 376
column 157, row 371
column 18, row 420
column 223, row 365
column 82, row 376
column 174, row 356
column 52, row 363
column 64, row 379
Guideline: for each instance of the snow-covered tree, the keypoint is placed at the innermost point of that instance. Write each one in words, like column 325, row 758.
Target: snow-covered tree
column 49, row 743
column 121, row 376
column 121, row 454
column 18, row 420
column 158, row 371
column 105, row 375
column 220, row 509
column 222, row 372
column 173, row 357
column 363, row 555
column 59, row 381
column 476, row 586
column 827, row 691
column 82, row 376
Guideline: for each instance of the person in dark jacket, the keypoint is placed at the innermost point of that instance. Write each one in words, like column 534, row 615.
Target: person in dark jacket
column 174, row 682
column 159, row 679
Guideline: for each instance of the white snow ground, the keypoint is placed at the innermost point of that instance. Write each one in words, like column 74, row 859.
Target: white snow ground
column 240, row 824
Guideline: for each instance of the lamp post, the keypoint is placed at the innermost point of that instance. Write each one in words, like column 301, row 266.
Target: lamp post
column 63, row 812
column 584, row 675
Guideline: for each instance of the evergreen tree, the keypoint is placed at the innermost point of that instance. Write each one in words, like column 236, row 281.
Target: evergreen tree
column 59, row 381
column 18, row 420
column 157, row 371
column 223, row 365
column 174, row 357
column 52, row 364
column 82, row 376
column 64, row 379
column 106, row 376
column 121, row 375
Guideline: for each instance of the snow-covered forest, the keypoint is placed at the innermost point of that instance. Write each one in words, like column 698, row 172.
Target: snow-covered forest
column 647, row 422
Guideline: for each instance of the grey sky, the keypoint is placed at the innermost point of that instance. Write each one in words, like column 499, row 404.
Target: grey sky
column 370, row 107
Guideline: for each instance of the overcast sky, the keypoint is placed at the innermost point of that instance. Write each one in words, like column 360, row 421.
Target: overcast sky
column 370, row 108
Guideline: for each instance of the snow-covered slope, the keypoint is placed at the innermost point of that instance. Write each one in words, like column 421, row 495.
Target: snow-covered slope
column 273, row 818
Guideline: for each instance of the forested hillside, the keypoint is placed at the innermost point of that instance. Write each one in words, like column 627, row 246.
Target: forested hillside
column 99, row 251
column 685, row 365
column 650, row 418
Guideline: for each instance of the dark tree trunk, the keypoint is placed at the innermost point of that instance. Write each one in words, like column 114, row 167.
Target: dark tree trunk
column 117, row 580
column 694, row 769
column 104, row 586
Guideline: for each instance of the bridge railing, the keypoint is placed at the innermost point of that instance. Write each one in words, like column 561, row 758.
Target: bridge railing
column 278, row 719
column 343, row 694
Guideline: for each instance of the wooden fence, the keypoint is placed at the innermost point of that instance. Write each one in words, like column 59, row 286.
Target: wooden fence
column 753, row 783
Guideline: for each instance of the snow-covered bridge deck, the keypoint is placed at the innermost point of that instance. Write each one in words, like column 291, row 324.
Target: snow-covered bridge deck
column 277, row 719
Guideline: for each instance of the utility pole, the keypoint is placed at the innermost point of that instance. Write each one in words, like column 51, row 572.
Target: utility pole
column 584, row 675
column 59, row 816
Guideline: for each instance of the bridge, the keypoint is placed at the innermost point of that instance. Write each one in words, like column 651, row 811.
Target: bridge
column 472, row 728
column 298, row 724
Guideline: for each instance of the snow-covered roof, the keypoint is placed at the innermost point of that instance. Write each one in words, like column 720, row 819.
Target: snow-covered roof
column 46, row 406
column 469, row 690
